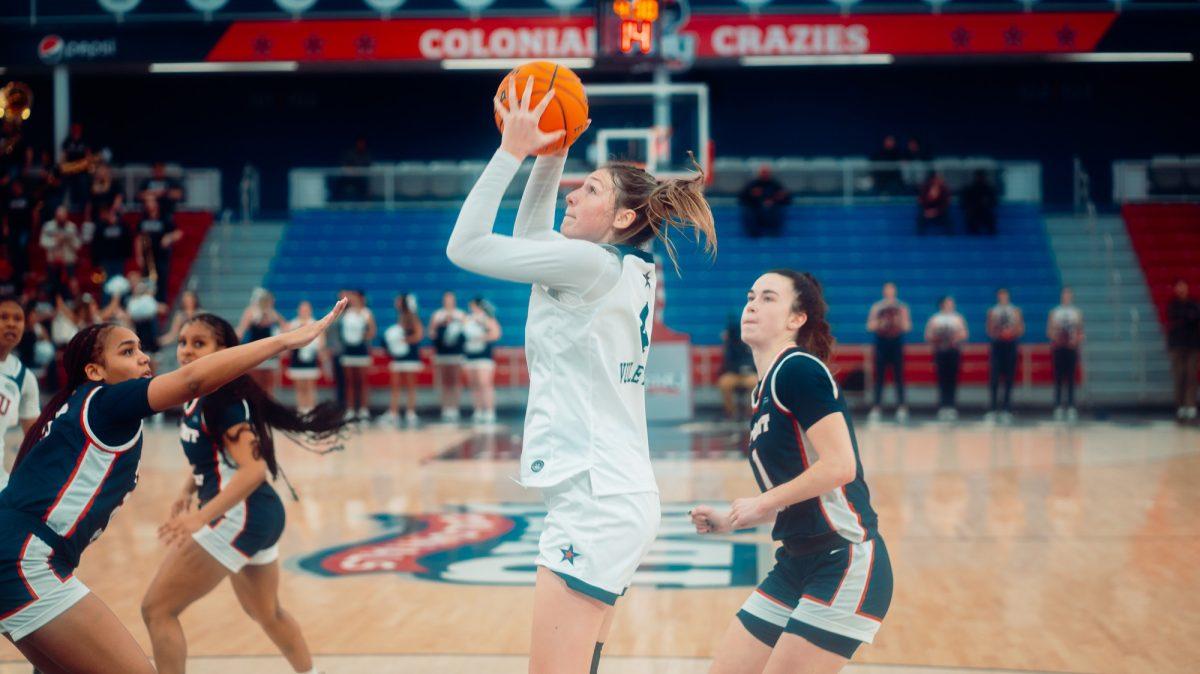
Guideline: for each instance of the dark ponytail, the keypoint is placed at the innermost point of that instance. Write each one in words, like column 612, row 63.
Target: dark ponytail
column 319, row 426
column 87, row 346
column 815, row 336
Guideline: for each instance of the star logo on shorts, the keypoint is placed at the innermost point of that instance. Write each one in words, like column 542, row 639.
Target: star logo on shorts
column 569, row 553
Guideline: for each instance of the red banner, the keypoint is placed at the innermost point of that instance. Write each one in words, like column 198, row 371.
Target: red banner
column 1009, row 33
column 716, row 36
column 406, row 40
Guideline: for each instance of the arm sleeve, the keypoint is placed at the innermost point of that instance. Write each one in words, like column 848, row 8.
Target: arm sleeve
column 115, row 412
column 535, row 215
column 578, row 267
column 805, row 387
column 30, row 404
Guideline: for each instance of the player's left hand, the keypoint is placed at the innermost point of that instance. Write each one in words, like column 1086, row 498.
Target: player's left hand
column 746, row 513
column 180, row 528
column 521, row 136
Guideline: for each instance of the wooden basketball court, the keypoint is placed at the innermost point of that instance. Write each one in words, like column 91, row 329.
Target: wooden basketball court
column 1036, row 548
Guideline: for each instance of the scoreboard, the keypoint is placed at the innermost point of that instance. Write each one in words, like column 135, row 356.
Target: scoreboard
column 632, row 31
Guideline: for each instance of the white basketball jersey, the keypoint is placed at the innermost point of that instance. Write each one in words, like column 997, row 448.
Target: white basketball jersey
column 18, row 400
column 587, row 384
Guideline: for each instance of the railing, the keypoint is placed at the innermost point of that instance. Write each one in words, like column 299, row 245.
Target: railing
column 201, row 186
column 845, row 180
column 1125, row 313
column 1163, row 178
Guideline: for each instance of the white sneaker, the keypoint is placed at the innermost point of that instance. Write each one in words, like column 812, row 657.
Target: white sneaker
column 450, row 414
column 989, row 418
column 364, row 415
column 875, row 416
column 1006, row 417
column 902, row 414
column 1059, row 413
column 388, row 418
column 1072, row 414
column 348, row 416
column 411, row 418
column 1190, row 412
column 952, row 415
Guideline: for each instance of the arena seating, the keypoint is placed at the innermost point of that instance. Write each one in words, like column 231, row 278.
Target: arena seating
column 853, row 250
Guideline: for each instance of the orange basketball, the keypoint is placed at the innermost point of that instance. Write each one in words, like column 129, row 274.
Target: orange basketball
column 569, row 109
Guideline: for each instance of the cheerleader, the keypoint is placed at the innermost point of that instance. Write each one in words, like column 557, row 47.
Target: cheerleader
column 357, row 330
column 303, row 363
column 402, row 341
column 446, row 330
column 481, row 331
column 259, row 321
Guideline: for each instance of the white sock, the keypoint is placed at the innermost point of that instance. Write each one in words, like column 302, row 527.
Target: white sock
column 311, row 671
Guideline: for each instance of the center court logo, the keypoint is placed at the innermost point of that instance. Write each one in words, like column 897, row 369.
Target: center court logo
column 495, row 544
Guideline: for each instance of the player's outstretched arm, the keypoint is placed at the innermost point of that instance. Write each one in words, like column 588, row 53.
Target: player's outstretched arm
column 210, row 373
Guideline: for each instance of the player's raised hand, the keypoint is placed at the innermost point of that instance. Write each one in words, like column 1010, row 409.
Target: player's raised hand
column 521, row 136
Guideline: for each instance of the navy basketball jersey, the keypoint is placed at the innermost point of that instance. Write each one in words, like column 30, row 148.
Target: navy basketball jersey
column 202, row 437
column 84, row 466
column 797, row 392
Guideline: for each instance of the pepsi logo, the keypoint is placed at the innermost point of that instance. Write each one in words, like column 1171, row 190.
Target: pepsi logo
column 51, row 49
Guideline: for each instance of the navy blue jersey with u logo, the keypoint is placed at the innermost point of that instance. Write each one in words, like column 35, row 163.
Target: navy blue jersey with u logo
column 797, row 392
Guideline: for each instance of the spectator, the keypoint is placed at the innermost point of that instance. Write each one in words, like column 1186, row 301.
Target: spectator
column 259, row 321
column 42, row 177
column 357, row 160
column 189, row 306
column 105, row 193
column 333, row 355
column 889, row 320
column 156, row 238
column 888, row 179
column 979, row 202
column 16, row 224
column 112, row 245
column 764, row 203
column 1005, row 325
column 946, row 331
column 75, row 165
column 1064, row 329
column 167, row 191
column 1183, row 341
column 10, row 286
column 60, row 240
column 737, row 371
column 915, row 163
column 143, row 312
column 933, row 205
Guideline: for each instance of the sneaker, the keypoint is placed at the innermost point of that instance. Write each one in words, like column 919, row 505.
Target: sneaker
column 875, row 416
column 388, row 418
column 411, row 418
column 952, row 414
column 1059, row 413
column 1006, row 417
column 450, row 414
column 1072, row 414
column 364, row 415
column 989, row 418
column 491, row 417
column 348, row 416
column 902, row 414
column 1189, row 412
column 1181, row 413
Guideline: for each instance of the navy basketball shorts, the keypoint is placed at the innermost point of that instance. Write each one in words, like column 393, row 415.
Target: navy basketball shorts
column 248, row 534
column 35, row 585
column 835, row 599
